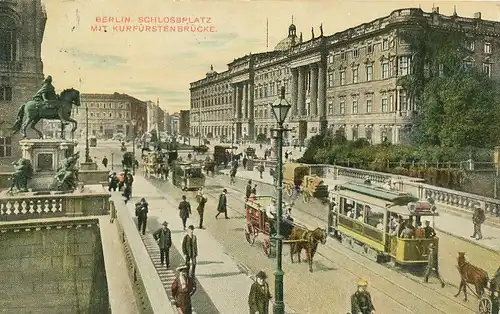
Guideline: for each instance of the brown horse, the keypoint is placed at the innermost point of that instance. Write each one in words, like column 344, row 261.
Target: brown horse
column 306, row 240
column 471, row 274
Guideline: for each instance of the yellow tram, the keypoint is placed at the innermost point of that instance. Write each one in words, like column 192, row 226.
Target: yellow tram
column 364, row 220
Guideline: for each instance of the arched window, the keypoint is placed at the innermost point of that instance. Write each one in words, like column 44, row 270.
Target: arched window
column 7, row 39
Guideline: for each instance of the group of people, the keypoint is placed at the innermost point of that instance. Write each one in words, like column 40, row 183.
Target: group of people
column 122, row 182
column 404, row 228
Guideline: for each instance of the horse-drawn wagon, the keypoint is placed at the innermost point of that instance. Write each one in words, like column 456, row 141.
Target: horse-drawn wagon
column 297, row 175
column 154, row 164
column 295, row 234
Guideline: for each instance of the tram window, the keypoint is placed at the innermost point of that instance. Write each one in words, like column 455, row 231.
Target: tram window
column 374, row 216
column 360, row 215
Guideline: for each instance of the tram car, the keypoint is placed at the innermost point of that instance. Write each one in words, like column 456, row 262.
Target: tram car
column 188, row 176
column 363, row 220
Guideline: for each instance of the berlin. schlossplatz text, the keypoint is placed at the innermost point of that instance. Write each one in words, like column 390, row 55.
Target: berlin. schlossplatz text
column 141, row 28
column 155, row 19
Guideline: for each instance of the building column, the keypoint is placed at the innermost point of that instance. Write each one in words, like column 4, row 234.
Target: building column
column 314, row 90
column 294, row 91
column 301, row 100
column 245, row 100
column 235, row 100
column 239, row 99
column 251, row 113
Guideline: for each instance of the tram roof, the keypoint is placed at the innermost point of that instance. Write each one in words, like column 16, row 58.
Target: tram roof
column 381, row 193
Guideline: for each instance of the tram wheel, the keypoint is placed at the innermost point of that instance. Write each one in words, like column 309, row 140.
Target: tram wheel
column 288, row 190
column 306, row 197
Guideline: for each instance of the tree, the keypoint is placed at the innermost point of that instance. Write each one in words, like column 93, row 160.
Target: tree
column 457, row 104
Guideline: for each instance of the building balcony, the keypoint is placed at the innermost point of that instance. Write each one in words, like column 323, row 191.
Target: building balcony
column 12, row 66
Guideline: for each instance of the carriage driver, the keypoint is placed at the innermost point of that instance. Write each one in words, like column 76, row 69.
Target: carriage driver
column 361, row 300
column 271, row 215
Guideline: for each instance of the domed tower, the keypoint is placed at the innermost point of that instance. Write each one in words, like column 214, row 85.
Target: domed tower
column 211, row 72
column 289, row 41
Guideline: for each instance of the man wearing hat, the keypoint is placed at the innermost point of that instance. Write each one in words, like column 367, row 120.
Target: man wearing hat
column 432, row 265
column 248, row 189
column 141, row 211
column 361, row 300
column 183, row 287
column 222, row 206
column 478, row 218
column 190, row 249
column 259, row 296
column 164, row 238
column 184, row 211
column 202, row 200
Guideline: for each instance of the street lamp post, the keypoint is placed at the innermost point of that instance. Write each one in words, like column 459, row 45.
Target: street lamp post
column 133, row 147
column 280, row 110
column 232, row 140
column 87, row 149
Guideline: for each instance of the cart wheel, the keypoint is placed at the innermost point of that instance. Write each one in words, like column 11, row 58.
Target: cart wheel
column 266, row 245
column 183, row 186
column 288, row 190
column 249, row 234
column 306, row 197
column 485, row 306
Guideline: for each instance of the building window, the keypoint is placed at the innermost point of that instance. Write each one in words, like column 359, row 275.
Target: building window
column 5, row 93
column 354, row 106
column 369, row 106
column 330, row 59
column 404, row 65
column 369, row 72
column 5, row 146
column 355, row 75
column 354, row 133
column 342, row 55
column 487, row 48
column 355, row 53
column 369, row 48
column 385, row 44
column 7, row 40
column 470, row 45
column 468, row 65
column 368, row 134
column 330, row 79
column 342, row 107
column 330, row 108
column 385, row 70
column 342, row 77
column 385, row 106
column 403, row 100
column 487, row 69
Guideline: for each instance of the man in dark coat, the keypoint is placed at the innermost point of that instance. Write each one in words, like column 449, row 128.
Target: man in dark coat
column 202, row 200
column 478, row 218
column 259, row 296
column 190, row 250
column 183, row 288
column 361, row 300
column 222, row 206
column 184, row 210
column 141, row 212
column 164, row 238
column 432, row 265
column 105, row 162
column 113, row 182
column 248, row 189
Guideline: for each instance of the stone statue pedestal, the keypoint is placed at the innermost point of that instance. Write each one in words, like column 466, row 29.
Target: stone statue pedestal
column 88, row 166
column 45, row 156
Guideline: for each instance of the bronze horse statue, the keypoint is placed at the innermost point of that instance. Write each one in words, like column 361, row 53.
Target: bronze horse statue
column 470, row 274
column 33, row 111
column 303, row 239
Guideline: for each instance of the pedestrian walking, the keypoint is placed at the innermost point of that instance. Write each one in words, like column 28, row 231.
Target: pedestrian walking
column 261, row 169
column 141, row 212
column 190, row 250
column 222, row 206
column 184, row 211
column 182, row 290
column 105, row 162
column 259, row 296
column 254, row 190
column 244, row 162
column 478, row 219
column 113, row 182
column 432, row 265
column 164, row 238
column 201, row 207
column 361, row 300
column 234, row 169
column 248, row 189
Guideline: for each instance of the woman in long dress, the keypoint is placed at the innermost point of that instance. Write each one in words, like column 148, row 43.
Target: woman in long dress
column 183, row 288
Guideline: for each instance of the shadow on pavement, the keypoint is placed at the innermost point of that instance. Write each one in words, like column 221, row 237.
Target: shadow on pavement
column 219, row 275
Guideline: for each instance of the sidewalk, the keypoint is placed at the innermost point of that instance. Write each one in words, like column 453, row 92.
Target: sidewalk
column 457, row 226
column 221, row 277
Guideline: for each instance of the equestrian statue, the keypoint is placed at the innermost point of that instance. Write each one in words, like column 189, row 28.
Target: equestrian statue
column 23, row 171
column 67, row 173
column 46, row 104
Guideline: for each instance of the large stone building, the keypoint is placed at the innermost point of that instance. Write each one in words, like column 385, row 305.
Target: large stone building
column 346, row 82
column 109, row 114
column 22, row 25
column 155, row 116
column 184, row 123
column 172, row 124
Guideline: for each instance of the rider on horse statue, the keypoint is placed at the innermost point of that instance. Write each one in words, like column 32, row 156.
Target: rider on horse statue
column 46, row 93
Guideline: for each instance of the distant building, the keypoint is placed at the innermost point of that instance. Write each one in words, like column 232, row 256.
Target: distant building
column 155, row 116
column 346, row 83
column 22, row 26
column 173, row 124
column 108, row 114
column 184, row 123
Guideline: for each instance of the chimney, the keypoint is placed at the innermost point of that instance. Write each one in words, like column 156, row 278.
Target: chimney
column 477, row 15
column 435, row 10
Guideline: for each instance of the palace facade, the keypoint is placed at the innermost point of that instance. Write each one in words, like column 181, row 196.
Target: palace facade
column 343, row 83
column 22, row 25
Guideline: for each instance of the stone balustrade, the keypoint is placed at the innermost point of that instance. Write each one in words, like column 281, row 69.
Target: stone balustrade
column 30, row 206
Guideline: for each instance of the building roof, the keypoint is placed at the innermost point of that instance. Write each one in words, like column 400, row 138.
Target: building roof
column 289, row 41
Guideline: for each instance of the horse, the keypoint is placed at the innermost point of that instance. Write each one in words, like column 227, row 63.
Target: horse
column 306, row 240
column 471, row 274
column 32, row 111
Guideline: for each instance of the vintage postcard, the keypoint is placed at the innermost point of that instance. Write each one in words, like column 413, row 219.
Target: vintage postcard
column 309, row 157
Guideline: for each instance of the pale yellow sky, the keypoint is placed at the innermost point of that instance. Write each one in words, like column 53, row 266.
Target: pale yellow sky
column 151, row 65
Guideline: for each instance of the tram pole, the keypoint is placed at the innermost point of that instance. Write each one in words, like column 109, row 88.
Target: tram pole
column 280, row 109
